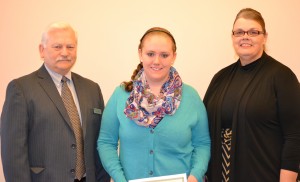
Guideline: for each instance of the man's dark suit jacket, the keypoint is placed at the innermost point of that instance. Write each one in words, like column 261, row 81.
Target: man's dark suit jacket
column 37, row 140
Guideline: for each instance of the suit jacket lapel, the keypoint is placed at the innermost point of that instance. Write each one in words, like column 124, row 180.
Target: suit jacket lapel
column 80, row 91
column 48, row 85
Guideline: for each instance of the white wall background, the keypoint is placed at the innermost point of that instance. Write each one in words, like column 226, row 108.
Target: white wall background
column 109, row 33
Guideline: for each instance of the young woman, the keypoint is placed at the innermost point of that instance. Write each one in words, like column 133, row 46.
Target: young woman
column 161, row 122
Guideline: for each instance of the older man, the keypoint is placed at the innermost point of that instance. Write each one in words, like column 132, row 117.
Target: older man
column 51, row 118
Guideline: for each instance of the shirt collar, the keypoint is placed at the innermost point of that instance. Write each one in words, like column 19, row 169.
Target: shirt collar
column 56, row 77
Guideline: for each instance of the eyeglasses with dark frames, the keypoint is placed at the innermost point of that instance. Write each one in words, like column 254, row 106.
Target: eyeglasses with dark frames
column 250, row 33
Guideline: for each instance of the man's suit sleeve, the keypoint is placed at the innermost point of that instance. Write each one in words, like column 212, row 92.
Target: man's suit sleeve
column 14, row 135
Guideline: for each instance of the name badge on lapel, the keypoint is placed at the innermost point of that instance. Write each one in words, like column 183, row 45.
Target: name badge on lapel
column 97, row 111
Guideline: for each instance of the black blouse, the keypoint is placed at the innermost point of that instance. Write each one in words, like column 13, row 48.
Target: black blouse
column 241, row 78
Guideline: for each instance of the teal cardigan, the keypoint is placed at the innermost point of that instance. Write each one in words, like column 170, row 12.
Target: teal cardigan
column 179, row 143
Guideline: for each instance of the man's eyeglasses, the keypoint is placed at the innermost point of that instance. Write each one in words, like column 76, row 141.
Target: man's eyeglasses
column 250, row 33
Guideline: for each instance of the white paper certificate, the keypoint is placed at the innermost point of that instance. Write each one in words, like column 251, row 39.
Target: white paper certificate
column 169, row 178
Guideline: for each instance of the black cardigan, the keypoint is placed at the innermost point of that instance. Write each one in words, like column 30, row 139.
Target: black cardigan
column 266, row 123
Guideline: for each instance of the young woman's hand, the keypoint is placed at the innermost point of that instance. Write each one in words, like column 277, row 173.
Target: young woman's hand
column 192, row 178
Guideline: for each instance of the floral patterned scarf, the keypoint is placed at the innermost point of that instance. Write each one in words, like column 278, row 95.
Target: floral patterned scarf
column 144, row 108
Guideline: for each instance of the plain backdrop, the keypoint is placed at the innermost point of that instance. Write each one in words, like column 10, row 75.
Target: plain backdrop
column 109, row 33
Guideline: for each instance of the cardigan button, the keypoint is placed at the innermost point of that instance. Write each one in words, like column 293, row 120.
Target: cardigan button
column 151, row 173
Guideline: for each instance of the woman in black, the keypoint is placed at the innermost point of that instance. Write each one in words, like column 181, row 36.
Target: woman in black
column 253, row 107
